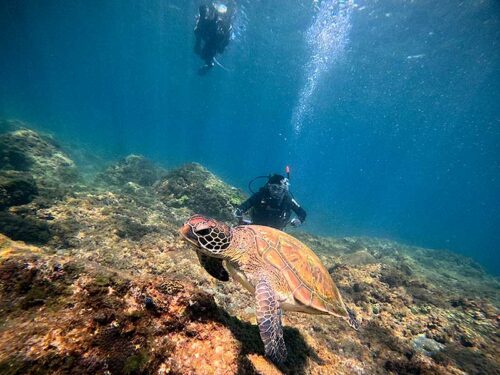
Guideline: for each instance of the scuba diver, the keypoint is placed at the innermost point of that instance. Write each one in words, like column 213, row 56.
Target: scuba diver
column 272, row 205
column 212, row 33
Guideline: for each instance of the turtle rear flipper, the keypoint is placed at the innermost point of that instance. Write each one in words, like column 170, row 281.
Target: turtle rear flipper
column 213, row 266
column 268, row 312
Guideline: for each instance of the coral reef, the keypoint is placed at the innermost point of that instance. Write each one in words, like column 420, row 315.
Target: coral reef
column 132, row 170
column 25, row 228
column 32, row 167
column 90, row 319
column 16, row 188
column 112, row 289
column 26, row 150
column 196, row 188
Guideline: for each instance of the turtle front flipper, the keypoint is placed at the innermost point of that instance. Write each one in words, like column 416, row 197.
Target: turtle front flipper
column 269, row 319
column 213, row 266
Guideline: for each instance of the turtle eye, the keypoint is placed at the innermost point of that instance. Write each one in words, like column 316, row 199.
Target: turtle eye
column 203, row 232
column 202, row 229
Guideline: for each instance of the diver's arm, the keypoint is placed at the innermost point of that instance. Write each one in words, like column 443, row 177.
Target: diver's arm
column 197, row 36
column 299, row 211
column 250, row 202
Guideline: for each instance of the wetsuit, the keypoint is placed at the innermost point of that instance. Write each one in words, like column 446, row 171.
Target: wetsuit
column 272, row 212
column 212, row 33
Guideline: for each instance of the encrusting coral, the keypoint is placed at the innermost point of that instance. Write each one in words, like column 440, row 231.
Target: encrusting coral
column 113, row 289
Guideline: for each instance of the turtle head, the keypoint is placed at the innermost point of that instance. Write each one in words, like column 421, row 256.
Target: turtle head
column 210, row 236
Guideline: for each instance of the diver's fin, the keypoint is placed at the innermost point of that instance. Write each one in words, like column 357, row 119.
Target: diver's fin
column 222, row 66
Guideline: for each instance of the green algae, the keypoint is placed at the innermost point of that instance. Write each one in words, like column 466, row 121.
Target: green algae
column 136, row 363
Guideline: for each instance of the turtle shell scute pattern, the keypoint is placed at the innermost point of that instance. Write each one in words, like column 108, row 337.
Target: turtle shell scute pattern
column 245, row 239
column 309, row 281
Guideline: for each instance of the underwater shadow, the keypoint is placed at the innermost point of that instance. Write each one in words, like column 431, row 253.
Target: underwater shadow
column 28, row 229
column 249, row 337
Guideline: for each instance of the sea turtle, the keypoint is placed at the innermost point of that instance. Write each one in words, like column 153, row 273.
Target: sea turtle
column 278, row 269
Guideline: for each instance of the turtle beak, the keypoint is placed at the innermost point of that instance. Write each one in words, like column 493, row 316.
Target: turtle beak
column 187, row 234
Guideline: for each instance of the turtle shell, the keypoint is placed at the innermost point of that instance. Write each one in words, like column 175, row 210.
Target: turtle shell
column 308, row 279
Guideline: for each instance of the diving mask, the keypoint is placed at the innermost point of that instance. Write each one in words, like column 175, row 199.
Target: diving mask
column 277, row 191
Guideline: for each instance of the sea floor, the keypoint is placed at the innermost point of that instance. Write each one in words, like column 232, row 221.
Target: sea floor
column 94, row 279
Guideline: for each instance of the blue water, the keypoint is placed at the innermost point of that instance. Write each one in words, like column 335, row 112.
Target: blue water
column 386, row 111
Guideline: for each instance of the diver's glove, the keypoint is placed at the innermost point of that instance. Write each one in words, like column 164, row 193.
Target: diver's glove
column 295, row 222
column 238, row 213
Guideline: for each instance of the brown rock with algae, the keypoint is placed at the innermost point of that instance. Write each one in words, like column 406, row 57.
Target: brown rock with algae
column 26, row 150
column 16, row 188
column 61, row 316
column 196, row 188
column 134, row 169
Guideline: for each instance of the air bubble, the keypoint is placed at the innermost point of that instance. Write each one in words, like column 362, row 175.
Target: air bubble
column 326, row 39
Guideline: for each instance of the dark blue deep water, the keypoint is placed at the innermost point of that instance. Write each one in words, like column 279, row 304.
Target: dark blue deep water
column 388, row 112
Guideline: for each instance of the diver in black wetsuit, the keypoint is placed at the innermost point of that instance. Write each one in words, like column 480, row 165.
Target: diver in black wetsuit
column 272, row 205
column 212, row 33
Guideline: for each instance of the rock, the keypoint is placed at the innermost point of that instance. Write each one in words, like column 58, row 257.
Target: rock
column 200, row 190
column 16, row 188
column 133, row 170
column 26, row 150
column 129, row 228
column 357, row 287
column 98, row 318
column 29, row 229
column 359, row 258
column 393, row 277
column 263, row 366
column 12, row 156
column 9, row 248
column 467, row 341
column 425, row 345
column 149, row 303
